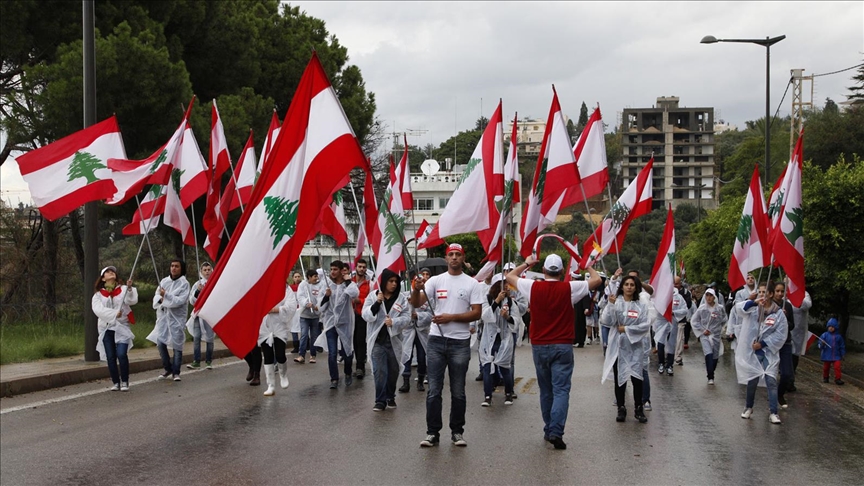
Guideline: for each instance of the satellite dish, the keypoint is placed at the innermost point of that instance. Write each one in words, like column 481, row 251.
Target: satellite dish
column 430, row 167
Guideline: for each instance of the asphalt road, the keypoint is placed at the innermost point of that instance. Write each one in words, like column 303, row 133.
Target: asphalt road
column 212, row 428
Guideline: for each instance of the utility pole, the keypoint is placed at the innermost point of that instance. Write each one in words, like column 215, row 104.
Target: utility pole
column 798, row 105
column 91, row 209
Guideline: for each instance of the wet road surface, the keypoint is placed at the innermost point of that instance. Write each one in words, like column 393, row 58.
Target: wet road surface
column 212, row 428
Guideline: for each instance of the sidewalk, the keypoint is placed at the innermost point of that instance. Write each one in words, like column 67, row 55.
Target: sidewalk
column 853, row 366
column 20, row 378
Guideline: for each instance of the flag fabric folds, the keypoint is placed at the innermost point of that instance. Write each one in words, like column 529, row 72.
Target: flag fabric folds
column 148, row 214
column 634, row 202
column 72, row 171
column 315, row 151
column 387, row 242
column 750, row 250
column 788, row 239
column 663, row 274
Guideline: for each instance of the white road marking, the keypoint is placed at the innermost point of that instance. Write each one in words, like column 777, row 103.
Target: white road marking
column 102, row 390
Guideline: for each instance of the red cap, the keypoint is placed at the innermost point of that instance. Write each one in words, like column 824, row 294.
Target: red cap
column 455, row 247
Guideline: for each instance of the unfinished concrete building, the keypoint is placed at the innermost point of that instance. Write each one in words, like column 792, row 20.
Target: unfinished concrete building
column 682, row 142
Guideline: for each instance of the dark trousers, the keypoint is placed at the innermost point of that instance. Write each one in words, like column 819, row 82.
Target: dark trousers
column 274, row 353
column 580, row 331
column 421, row 359
column 360, row 351
column 332, row 346
column 253, row 359
column 787, row 373
column 621, row 390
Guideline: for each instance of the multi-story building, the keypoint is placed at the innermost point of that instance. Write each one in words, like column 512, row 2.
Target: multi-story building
column 530, row 133
column 681, row 140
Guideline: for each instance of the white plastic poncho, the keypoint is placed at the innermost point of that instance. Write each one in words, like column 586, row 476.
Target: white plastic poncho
column 105, row 305
column 799, row 333
column 734, row 325
column 494, row 325
column 758, row 325
column 626, row 348
column 517, row 310
column 665, row 332
column 339, row 313
column 400, row 314
column 171, row 313
column 711, row 319
column 418, row 329
column 275, row 323
column 207, row 334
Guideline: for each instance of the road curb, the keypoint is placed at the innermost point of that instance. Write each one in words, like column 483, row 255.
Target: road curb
column 87, row 371
column 850, row 380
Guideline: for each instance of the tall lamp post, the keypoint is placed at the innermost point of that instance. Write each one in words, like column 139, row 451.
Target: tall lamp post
column 767, row 42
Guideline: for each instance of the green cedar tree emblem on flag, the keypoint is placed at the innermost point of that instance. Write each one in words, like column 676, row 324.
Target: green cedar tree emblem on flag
column 507, row 203
column 155, row 191
column 257, row 175
column 541, row 181
column 744, row 228
column 618, row 214
column 158, row 161
column 774, row 208
column 671, row 258
column 337, row 198
column 796, row 216
column 394, row 224
column 472, row 163
column 175, row 179
column 282, row 216
column 84, row 164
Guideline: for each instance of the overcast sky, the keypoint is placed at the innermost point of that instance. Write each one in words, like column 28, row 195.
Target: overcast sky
column 431, row 63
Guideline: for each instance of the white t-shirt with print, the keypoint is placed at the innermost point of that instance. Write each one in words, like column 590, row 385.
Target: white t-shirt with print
column 453, row 294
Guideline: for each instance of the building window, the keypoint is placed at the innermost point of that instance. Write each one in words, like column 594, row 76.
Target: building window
column 425, row 204
column 442, row 202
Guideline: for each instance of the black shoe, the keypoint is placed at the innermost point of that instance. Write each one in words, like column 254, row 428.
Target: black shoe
column 379, row 407
column 420, row 386
column 334, row 384
column 791, row 389
column 256, row 379
column 479, row 377
column 391, row 403
column 824, row 380
column 348, row 380
column 430, row 441
column 839, row 382
column 250, row 375
column 406, row 385
column 360, row 373
column 640, row 415
column 622, row 414
column 558, row 442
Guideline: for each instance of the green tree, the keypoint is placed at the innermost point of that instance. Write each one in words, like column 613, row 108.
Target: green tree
column 828, row 134
column 282, row 216
column 709, row 248
column 583, row 119
column 737, row 168
column 856, row 92
column 84, row 164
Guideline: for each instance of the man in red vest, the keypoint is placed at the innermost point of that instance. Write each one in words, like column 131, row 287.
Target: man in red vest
column 552, row 333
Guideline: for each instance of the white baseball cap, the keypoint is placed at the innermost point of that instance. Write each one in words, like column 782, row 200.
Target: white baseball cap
column 553, row 263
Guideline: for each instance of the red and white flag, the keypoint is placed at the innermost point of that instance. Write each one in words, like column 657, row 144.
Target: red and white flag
column 556, row 172
column 683, row 272
column 175, row 215
column 220, row 158
column 370, row 210
column 315, row 151
column 64, row 175
column 472, row 207
column 750, row 250
column 269, row 141
column 511, row 197
column 220, row 161
column 148, row 214
column 663, row 274
column 240, row 193
column 811, row 338
column 788, row 239
column 403, row 174
column 590, row 154
column 389, row 234
column 634, row 202
column 571, row 248
column 332, row 221
column 423, row 232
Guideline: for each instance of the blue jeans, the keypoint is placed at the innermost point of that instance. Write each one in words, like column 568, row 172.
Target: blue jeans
column 171, row 366
column 787, row 371
column 115, row 352
column 421, row 358
column 553, row 364
column 771, row 384
column 604, row 335
column 454, row 355
column 646, row 387
column 308, row 335
column 385, row 370
column 332, row 349
column 198, row 328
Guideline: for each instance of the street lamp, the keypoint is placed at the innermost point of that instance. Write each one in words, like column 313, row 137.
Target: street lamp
column 767, row 42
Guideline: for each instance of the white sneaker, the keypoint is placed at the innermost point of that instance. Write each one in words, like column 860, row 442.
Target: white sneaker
column 710, row 382
column 124, row 386
column 747, row 413
column 774, row 419
column 647, row 406
column 116, row 387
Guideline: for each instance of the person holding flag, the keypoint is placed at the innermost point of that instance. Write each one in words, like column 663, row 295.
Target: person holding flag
column 273, row 339
column 197, row 327
column 833, row 351
column 757, row 355
column 112, row 303
column 170, row 302
column 338, row 316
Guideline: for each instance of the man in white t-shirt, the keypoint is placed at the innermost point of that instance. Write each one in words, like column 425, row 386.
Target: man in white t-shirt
column 455, row 300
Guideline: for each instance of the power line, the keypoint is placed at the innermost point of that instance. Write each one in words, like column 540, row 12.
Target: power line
column 836, row 72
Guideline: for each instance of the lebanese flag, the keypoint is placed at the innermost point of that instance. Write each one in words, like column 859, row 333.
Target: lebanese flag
column 218, row 144
column 239, row 189
column 472, row 207
column 64, row 175
column 269, row 141
column 175, row 215
column 423, row 232
column 663, row 274
column 130, row 176
column 750, row 250
column 811, row 338
column 146, row 218
column 634, row 202
column 220, row 161
column 315, row 151
column 571, row 248
column 370, row 210
column 390, row 228
column 403, row 173
column 212, row 220
column 332, row 220
column 511, row 196
column 775, row 199
column 590, row 155
column 682, row 272
column 788, row 240
column 555, row 172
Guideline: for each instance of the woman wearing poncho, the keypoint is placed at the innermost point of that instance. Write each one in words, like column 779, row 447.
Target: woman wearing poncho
column 111, row 303
column 708, row 323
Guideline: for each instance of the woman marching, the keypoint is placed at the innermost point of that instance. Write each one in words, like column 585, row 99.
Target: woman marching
column 757, row 354
column 496, row 343
column 111, row 303
column 273, row 337
column 627, row 320
column 708, row 323
column 386, row 313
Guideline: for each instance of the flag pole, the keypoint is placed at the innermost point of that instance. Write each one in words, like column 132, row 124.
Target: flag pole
column 195, row 235
column 360, row 216
column 591, row 220
column 146, row 237
column 615, row 239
